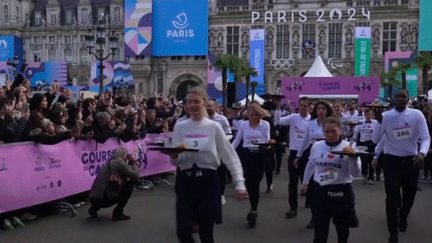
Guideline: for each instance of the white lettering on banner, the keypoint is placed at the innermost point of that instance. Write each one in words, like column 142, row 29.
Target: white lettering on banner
column 333, row 15
column 257, row 61
column 180, row 23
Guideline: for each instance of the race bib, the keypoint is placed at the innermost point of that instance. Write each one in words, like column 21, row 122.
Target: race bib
column 327, row 177
column 403, row 133
column 299, row 136
column 197, row 140
column 366, row 135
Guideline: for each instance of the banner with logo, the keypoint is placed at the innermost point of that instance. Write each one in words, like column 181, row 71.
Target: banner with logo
column 395, row 58
column 362, row 53
column 116, row 74
column 32, row 174
column 43, row 74
column 365, row 89
column 425, row 40
column 180, row 28
column 257, row 58
column 10, row 47
column 138, row 27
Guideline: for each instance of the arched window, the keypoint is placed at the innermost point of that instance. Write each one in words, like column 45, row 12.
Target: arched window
column 17, row 13
column 53, row 14
column 6, row 12
column 84, row 16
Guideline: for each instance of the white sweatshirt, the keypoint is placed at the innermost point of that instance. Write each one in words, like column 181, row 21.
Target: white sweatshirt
column 402, row 131
column 210, row 139
column 298, row 127
column 314, row 131
column 259, row 134
column 328, row 168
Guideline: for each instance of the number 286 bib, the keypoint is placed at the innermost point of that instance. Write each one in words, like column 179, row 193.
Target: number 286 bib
column 403, row 133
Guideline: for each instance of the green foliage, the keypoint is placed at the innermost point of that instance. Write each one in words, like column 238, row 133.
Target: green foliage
column 254, row 84
column 394, row 77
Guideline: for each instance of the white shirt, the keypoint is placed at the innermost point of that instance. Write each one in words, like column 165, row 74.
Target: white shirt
column 250, row 135
column 365, row 130
column 223, row 121
column 314, row 131
column 379, row 148
column 298, row 126
column 182, row 119
column 328, row 168
column 402, row 131
column 209, row 138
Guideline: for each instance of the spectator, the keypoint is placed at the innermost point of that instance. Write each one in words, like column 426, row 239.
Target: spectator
column 155, row 104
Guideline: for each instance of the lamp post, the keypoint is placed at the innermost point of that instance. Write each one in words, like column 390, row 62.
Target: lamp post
column 100, row 40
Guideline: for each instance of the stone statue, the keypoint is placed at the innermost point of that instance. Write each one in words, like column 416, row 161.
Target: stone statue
column 74, row 20
column 414, row 35
column 270, row 38
column 296, row 38
column 349, row 37
column 404, row 36
column 43, row 20
column 27, row 19
column 58, row 19
column 211, row 40
column 322, row 38
column 220, row 40
column 376, row 37
column 245, row 39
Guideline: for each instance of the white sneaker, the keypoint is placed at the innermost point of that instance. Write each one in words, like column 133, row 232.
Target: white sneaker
column 77, row 205
column 83, row 203
column 424, row 178
column 17, row 222
column 27, row 216
column 223, row 200
column 365, row 180
column 7, row 225
column 370, row 182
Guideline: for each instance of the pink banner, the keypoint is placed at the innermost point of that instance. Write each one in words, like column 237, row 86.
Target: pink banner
column 31, row 174
column 366, row 89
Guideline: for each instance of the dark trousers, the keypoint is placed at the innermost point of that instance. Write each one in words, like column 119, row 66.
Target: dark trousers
column 253, row 168
column 302, row 167
column 279, row 155
column 222, row 174
column 366, row 167
column 322, row 225
column 380, row 165
column 198, row 200
column 399, row 172
column 252, row 182
column 428, row 165
column 121, row 200
column 294, row 175
column 269, row 167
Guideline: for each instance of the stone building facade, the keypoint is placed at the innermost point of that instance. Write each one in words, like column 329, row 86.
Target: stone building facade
column 54, row 30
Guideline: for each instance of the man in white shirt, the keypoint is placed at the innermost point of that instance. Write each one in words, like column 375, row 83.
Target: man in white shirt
column 223, row 121
column 298, row 125
column 402, row 129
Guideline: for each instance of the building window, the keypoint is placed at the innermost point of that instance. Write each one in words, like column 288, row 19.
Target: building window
column 68, row 56
column 335, row 40
column 53, row 15
column 389, row 36
column 101, row 14
column 36, row 57
column 83, row 82
column 83, row 56
column 52, row 55
column 69, row 17
column 17, row 13
column 67, row 39
column 84, row 16
column 117, row 16
column 38, row 18
column 233, row 34
column 282, row 41
column 36, row 39
column 83, row 38
column 51, row 39
column 6, row 12
column 309, row 34
column 140, row 87
column 363, row 24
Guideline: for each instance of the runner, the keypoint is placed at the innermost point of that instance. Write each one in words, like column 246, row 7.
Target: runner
column 198, row 194
column 314, row 131
column 333, row 174
column 402, row 129
column 222, row 120
column 253, row 157
column 363, row 137
column 298, row 125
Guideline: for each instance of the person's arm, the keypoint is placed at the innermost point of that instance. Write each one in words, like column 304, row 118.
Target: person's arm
column 304, row 143
column 356, row 133
column 273, row 133
column 354, row 166
column 283, row 121
column 43, row 138
column 230, row 158
column 310, row 168
column 379, row 148
column 378, row 132
column 166, row 114
column 238, row 137
column 127, row 171
column 423, row 130
column 177, row 140
column 267, row 134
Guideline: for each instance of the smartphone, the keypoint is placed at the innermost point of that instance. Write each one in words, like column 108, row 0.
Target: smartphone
column 25, row 108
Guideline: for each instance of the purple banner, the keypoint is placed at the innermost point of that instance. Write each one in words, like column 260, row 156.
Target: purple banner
column 365, row 89
column 31, row 174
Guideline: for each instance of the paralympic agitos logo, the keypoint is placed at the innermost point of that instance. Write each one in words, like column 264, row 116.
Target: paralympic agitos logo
column 180, row 23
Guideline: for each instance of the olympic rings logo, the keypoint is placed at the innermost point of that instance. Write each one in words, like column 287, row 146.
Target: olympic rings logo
column 282, row 63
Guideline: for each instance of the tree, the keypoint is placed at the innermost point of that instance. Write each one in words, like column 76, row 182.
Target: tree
column 248, row 72
column 223, row 63
column 424, row 61
column 254, row 84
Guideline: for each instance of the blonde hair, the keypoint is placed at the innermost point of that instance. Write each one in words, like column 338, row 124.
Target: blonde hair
column 200, row 92
column 258, row 109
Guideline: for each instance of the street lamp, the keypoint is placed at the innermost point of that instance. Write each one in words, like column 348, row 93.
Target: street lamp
column 100, row 40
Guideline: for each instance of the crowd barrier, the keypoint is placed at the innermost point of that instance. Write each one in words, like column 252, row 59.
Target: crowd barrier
column 32, row 174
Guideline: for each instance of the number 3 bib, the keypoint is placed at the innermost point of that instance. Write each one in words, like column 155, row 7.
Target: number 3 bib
column 196, row 140
column 403, row 133
column 328, row 177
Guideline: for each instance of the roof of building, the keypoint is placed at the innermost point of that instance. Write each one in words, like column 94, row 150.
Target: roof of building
column 222, row 3
column 41, row 4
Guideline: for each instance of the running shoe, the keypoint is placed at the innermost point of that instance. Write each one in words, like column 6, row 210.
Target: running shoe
column 311, row 225
column 251, row 217
column 121, row 217
column 393, row 239
column 17, row 222
column 378, row 178
column 370, row 182
column 7, row 225
column 424, row 178
column 27, row 216
column 270, row 190
column 223, row 200
column 291, row 214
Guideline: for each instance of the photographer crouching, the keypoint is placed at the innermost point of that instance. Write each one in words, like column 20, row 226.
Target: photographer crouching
column 114, row 184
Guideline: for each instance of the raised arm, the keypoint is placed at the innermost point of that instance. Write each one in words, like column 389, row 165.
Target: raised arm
column 238, row 137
